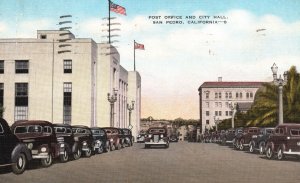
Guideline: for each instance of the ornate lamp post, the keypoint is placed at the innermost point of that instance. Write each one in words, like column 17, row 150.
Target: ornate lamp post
column 130, row 108
column 216, row 120
column 112, row 99
column 280, row 83
column 232, row 106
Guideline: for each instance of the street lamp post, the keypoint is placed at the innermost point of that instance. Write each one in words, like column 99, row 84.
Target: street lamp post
column 280, row 83
column 233, row 109
column 130, row 108
column 216, row 122
column 112, row 99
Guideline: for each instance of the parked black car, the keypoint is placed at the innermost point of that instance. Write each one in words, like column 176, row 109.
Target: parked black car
column 100, row 139
column 228, row 136
column 83, row 136
column 66, row 141
column 39, row 137
column 244, row 139
column 12, row 152
column 258, row 142
column 128, row 138
column 121, row 139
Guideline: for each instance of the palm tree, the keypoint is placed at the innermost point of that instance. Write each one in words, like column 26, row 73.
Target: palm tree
column 264, row 111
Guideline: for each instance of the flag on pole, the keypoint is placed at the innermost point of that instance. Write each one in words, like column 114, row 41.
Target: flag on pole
column 139, row 46
column 117, row 8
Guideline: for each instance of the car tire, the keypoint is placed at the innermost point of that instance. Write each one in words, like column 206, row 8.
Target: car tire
column 112, row 147
column 224, row 141
column 107, row 147
column 20, row 165
column 280, row 155
column 269, row 152
column 241, row 146
column 251, row 147
column 77, row 154
column 64, row 157
column 88, row 153
column 100, row 149
column 261, row 148
column 46, row 162
column 167, row 145
column 146, row 146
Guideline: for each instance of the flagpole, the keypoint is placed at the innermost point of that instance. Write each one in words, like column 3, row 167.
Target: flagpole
column 133, row 55
column 109, row 21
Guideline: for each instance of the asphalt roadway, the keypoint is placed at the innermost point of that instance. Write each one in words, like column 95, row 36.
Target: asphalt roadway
column 182, row 162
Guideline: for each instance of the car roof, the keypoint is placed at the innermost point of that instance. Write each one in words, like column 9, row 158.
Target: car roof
column 79, row 126
column 61, row 125
column 31, row 122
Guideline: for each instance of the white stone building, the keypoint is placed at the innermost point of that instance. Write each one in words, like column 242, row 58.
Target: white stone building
column 63, row 79
column 215, row 99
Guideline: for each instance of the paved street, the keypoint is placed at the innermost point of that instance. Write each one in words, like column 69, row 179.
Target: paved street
column 182, row 162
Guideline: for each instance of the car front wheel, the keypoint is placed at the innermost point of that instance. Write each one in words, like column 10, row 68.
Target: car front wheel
column 64, row 157
column 261, row 147
column 269, row 152
column 280, row 155
column 251, row 147
column 241, row 146
column 46, row 162
column 19, row 166
column 77, row 155
column 88, row 153
column 100, row 149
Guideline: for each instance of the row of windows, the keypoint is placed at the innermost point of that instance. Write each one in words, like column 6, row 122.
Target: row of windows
column 218, row 95
column 217, row 104
column 22, row 66
column 219, row 113
column 21, row 101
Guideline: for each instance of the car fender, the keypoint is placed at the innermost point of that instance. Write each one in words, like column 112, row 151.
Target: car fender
column 270, row 144
column 20, row 148
column 75, row 147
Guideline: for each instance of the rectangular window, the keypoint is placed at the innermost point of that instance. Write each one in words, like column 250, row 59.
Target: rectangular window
column 1, row 94
column 236, row 95
column 226, row 113
column 230, row 113
column 230, row 95
column 216, row 104
column 220, row 104
column 226, row 104
column 216, row 113
column 207, row 113
column 207, row 104
column 1, row 66
column 220, row 113
column 207, row 95
column 216, row 95
column 220, row 95
column 21, row 101
column 22, row 66
column 67, row 113
column 67, row 66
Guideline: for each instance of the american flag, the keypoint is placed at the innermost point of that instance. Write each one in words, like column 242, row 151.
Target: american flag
column 138, row 46
column 117, row 8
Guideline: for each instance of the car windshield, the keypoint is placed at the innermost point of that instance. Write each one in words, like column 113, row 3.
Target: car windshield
column 60, row 129
column 295, row 132
column 157, row 131
column 29, row 129
column 98, row 132
column 126, row 132
column 269, row 131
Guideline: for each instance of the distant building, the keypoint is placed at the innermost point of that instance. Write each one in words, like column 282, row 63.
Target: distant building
column 215, row 99
column 66, row 82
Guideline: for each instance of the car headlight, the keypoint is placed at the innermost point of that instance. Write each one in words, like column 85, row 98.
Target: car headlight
column 161, row 135
column 62, row 145
column 84, row 143
column 254, row 136
column 111, row 140
column 30, row 146
column 43, row 149
column 139, row 135
column 149, row 135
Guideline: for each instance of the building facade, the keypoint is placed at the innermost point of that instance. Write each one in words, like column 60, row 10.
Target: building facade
column 216, row 99
column 63, row 79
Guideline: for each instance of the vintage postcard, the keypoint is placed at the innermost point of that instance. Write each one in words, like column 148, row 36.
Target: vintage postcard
column 144, row 91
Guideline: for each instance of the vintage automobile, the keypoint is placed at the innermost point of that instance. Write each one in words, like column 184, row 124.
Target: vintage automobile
column 128, row 138
column 237, row 134
column 121, row 138
column 141, row 137
column 113, row 137
column 100, row 139
column 174, row 137
column 207, row 137
column 245, row 138
column 66, row 141
column 83, row 136
column 12, row 152
column 258, row 142
column 39, row 137
column 285, row 141
column 228, row 137
column 157, row 136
